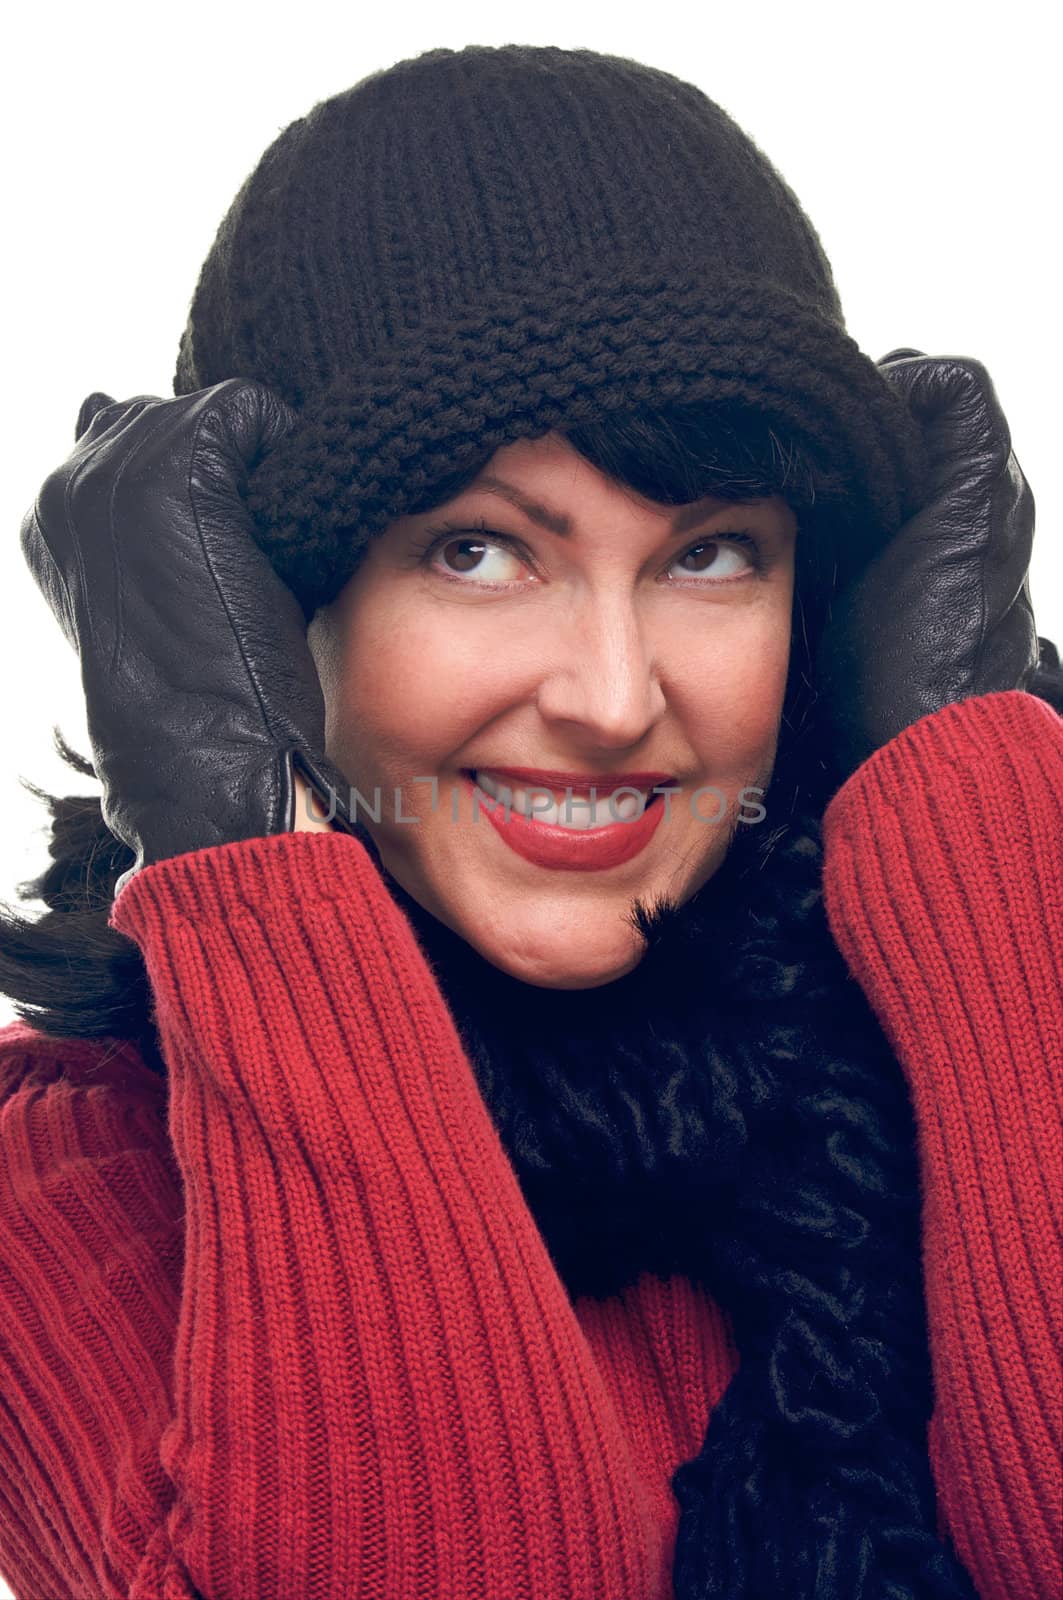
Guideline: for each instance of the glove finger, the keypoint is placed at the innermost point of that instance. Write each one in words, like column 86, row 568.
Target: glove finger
column 99, row 412
column 900, row 354
column 250, row 416
column 94, row 403
column 954, row 400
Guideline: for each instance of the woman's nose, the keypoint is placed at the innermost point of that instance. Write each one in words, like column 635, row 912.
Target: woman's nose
column 605, row 681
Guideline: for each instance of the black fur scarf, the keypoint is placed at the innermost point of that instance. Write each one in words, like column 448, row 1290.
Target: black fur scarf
column 731, row 1110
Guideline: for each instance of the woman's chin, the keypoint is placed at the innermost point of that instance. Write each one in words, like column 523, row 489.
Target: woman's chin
column 557, row 977
column 543, row 940
column 571, row 959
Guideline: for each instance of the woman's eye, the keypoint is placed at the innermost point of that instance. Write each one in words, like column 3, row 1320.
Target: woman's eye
column 478, row 558
column 713, row 557
column 465, row 557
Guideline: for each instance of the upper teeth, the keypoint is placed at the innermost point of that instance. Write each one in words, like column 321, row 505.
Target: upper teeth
column 573, row 811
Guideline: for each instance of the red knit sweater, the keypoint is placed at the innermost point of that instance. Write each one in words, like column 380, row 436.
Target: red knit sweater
column 289, row 1330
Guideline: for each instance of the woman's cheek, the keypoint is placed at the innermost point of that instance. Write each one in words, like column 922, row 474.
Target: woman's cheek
column 733, row 692
column 400, row 700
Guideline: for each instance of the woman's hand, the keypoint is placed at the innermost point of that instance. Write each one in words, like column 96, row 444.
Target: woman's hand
column 944, row 612
column 201, row 693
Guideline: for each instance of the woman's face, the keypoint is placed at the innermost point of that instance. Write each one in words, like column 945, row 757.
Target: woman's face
column 622, row 637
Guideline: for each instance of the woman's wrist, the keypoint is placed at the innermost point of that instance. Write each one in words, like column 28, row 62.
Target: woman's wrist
column 310, row 812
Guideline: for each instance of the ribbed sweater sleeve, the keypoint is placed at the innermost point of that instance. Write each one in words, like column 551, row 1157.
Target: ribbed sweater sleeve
column 943, row 885
column 375, row 1383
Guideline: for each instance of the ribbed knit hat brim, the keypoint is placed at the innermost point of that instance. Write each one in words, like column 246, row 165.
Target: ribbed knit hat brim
column 375, row 443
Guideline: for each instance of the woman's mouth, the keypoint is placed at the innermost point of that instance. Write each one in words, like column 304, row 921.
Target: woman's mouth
column 563, row 830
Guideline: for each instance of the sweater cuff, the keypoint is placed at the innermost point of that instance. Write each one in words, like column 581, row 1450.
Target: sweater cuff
column 257, row 877
column 943, row 880
column 994, row 753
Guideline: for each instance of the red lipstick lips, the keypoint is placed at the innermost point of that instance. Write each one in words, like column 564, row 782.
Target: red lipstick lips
column 549, row 844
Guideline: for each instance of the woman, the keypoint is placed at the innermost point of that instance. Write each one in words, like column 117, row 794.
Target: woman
column 407, row 1195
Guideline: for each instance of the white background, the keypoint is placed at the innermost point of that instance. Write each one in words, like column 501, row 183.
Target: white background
column 923, row 141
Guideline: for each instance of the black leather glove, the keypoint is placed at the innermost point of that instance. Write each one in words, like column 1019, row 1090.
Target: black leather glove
column 944, row 612
column 201, row 692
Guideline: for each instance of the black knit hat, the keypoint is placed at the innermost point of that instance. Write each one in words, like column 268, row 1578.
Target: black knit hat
column 480, row 245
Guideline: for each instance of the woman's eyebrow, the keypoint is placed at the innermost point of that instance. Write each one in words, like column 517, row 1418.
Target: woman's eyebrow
column 560, row 523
